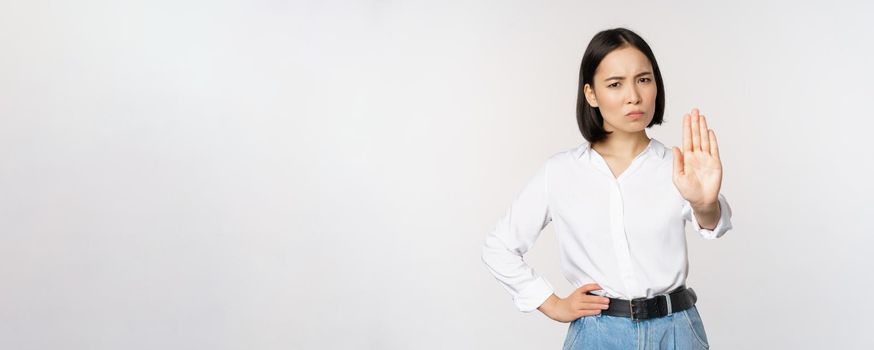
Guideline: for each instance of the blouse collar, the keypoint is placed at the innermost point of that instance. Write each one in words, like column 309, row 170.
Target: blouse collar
column 655, row 147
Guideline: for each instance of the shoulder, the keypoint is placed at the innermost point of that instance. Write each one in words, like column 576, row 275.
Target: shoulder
column 563, row 156
column 664, row 152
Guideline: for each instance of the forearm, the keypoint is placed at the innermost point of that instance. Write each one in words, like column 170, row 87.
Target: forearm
column 707, row 214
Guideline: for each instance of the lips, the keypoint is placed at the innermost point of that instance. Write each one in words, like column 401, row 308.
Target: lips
column 634, row 114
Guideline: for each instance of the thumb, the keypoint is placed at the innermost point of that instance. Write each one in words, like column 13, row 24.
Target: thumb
column 678, row 161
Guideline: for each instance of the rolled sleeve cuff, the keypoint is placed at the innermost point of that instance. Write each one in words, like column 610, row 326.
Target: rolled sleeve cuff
column 534, row 295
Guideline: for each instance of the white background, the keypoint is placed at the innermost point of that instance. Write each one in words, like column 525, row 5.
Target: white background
column 321, row 175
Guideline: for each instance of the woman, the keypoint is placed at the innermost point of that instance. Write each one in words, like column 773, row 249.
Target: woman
column 619, row 203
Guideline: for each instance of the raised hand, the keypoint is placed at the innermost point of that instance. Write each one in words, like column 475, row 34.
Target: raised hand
column 697, row 169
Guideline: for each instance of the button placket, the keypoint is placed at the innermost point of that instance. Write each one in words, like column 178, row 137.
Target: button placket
column 617, row 222
column 620, row 239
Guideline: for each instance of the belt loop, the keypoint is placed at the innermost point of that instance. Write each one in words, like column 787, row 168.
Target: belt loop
column 631, row 308
column 668, row 301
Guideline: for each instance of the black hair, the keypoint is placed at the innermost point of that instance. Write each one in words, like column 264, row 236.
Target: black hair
column 589, row 118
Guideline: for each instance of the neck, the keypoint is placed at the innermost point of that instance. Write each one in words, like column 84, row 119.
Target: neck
column 624, row 145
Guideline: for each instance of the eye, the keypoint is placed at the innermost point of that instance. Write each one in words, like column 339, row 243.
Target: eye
column 646, row 80
column 612, row 85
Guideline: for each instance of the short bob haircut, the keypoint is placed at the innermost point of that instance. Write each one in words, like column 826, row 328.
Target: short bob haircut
column 589, row 118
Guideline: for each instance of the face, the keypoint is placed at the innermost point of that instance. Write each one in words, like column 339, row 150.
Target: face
column 624, row 82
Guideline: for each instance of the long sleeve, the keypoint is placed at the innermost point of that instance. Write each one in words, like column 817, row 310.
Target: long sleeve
column 513, row 235
column 722, row 226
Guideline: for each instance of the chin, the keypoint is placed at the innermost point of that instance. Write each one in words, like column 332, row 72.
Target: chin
column 631, row 126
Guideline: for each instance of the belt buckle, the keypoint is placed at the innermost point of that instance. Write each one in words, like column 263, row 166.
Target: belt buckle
column 631, row 308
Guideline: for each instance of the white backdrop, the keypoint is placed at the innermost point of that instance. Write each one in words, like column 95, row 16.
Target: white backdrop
column 321, row 175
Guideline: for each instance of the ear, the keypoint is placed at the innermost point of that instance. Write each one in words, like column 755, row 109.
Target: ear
column 590, row 96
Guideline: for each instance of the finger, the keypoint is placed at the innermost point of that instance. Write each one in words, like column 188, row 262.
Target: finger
column 696, row 131
column 678, row 162
column 595, row 299
column 584, row 313
column 714, row 147
column 592, row 306
column 687, row 133
column 705, row 137
column 588, row 287
column 592, row 298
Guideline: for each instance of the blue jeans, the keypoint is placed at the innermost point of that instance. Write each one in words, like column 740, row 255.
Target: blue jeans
column 681, row 330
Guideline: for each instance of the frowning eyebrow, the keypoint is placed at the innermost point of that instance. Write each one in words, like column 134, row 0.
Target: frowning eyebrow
column 620, row 78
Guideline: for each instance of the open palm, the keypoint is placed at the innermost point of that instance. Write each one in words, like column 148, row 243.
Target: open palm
column 697, row 168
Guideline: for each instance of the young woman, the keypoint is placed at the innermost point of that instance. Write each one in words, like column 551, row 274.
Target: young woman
column 619, row 203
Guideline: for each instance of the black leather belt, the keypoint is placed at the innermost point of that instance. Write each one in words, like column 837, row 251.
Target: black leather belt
column 661, row 305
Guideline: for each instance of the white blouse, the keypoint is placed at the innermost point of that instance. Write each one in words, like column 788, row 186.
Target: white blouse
column 627, row 234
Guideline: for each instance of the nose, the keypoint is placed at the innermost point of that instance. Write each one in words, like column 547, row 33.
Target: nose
column 633, row 97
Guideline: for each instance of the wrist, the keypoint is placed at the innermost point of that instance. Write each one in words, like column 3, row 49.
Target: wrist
column 549, row 304
column 706, row 207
